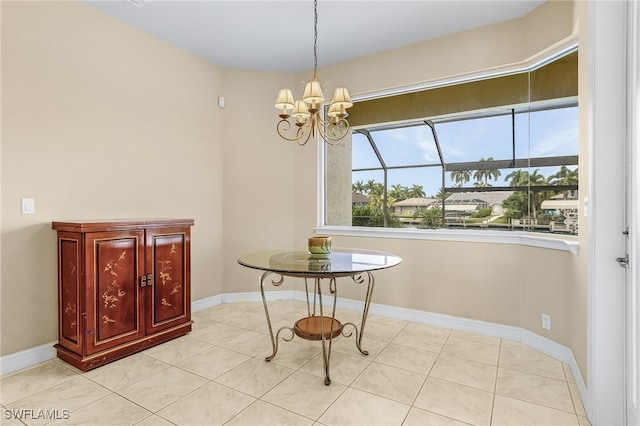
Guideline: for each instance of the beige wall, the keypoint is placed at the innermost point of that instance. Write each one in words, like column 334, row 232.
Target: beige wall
column 99, row 121
column 115, row 123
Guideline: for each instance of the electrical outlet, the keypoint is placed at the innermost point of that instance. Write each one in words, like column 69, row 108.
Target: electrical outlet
column 546, row 321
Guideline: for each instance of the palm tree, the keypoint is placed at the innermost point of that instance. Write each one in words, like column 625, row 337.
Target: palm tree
column 565, row 176
column 398, row 192
column 371, row 186
column 518, row 178
column 376, row 200
column 485, row 173
column 460, row 177
column 442, row 194
column 358, row 187
column 416, row 191
column 536, row 179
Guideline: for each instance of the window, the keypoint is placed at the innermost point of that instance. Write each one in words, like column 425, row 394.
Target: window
column 510, row 167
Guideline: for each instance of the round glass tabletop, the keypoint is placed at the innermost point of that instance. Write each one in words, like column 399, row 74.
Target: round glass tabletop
column 341, row 261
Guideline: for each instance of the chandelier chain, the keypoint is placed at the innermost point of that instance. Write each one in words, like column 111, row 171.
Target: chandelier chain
column 315, row 37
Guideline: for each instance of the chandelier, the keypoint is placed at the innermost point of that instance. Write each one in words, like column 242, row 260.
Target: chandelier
column 306, row 112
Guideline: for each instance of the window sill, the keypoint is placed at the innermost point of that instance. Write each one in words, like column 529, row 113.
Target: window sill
column 560, row 242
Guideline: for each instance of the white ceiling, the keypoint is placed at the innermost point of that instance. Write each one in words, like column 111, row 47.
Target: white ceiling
column 275, row 35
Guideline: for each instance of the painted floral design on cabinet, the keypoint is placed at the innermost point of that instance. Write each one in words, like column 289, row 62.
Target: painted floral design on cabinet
column 116, row 284
column 168, row 291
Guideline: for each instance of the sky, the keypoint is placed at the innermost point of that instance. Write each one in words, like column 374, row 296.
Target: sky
column 537, row 134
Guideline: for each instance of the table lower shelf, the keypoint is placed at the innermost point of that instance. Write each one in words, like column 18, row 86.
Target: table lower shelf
column 310, row 328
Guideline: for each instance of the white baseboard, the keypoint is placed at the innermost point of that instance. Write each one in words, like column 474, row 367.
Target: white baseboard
column 205, row 303
column 29, row 357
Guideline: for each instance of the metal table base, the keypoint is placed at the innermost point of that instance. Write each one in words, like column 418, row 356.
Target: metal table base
column 322, row 327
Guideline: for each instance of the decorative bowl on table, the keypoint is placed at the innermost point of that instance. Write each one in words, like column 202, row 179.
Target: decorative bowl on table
column 320, row 246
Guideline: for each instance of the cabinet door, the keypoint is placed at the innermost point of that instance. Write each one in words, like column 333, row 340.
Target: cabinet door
column 115, row 309
column 167, row 259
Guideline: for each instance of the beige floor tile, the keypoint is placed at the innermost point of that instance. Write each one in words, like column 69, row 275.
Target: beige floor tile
column 254, row 377
column 213, row 362
column 287, row 309
column 471, row 349
column 248, row 321
column 390, row 382
column 462, row 403
column 405, row 357
column 304, row 394
column 347, row 345
column 468, row 373
column 508, row 412
column 276, row 324
column 419, row 417
column 112, row 410
column 415, row 374
column 466, row 336
column 382, row 332
column 200, row 323
column 249, row 343
column 577, row 401
column 387, row 320
column 219, row 313
column 583, row 421
column 355, row 407
column 211, row 404
column 520, row 357
column 33, row 380
column 262, row 413
column 68, row 396
column 536, row 389
column 178, row 349
column 12, row 419
column 126, row 371
column 153, row 393
column 568, row 373
column 154, row 420
column 429, row 329
column 426, row 338
column 345, row 316
column 217, row 333
column 292, row 354
column 255, row 307
column 66, row 365
column 342, row 368
column 289, row 318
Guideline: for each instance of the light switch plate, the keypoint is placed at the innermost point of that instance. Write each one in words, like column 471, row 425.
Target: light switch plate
column 28, row 206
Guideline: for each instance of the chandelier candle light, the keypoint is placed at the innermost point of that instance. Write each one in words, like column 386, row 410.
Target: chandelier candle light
column 306, row 112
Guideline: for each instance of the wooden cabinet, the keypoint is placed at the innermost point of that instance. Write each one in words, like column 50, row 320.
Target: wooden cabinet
column 123, row 286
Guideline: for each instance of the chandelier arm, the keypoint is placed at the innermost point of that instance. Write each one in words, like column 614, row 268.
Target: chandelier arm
column 341, row 124
column 304, row 130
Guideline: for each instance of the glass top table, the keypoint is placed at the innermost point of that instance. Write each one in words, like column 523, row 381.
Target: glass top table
column 340, row 262
column 358, row 264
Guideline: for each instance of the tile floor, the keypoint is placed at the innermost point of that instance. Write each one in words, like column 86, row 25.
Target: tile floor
column 415, row 374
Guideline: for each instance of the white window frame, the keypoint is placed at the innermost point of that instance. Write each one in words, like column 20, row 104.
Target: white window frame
column 554, row 242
